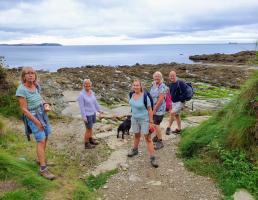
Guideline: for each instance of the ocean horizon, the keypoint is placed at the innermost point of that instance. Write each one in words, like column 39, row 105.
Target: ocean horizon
column 52, row 58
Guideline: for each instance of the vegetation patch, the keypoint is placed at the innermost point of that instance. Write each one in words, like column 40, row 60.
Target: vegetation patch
column 225, row 146
column 208, row 91
column 96, row 182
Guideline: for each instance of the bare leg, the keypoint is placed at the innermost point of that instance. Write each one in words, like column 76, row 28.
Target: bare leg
column 137, row 138
column 88, row 134
column 178, row 121
column 171, row 119
column 41, row 152
column 149, row 144
column 158, row 132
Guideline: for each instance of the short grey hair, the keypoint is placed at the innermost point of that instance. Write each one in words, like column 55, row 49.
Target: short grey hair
column 87, row 80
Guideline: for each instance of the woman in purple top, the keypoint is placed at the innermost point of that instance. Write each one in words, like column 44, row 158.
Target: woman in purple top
column 88, row 106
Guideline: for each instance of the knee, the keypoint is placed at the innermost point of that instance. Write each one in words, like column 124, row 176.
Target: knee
column 137, row 135
column 147, row 138
column 42, row 143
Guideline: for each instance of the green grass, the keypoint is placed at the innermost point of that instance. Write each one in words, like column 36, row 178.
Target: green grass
column 17, row 164
column 96, row 182
column 9, row 104
column 83, row 193
column 224, row 147
column 212, row 92
column 31, row 186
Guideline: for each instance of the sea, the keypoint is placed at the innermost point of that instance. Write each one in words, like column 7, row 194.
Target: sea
column 51, row 58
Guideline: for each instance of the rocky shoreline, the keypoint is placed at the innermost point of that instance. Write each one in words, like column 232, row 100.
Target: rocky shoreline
column 112, row 84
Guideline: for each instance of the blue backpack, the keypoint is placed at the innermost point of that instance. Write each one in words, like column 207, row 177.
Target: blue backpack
column 145, row 95
column 188, row 95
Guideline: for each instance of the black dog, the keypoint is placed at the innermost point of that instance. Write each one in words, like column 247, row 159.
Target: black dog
column 124, row 127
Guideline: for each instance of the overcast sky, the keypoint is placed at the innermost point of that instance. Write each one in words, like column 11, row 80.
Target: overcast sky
column 128, row 21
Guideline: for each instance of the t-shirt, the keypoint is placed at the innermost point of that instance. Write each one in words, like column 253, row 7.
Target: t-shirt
column 33, row 99
column 139, row 110
column 155, row 93
column 177, row 90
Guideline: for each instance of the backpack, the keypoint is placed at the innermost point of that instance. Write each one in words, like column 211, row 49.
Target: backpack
column 168, row 100
column 189, row 92
column 145, row 94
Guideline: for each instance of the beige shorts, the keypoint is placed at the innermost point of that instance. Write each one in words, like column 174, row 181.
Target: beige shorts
column 177, row 107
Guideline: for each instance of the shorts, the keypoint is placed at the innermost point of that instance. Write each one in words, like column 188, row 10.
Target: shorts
column 140, row 126
column 91, row 119
column 38, row 134
column 157, row 119
column 177, row 107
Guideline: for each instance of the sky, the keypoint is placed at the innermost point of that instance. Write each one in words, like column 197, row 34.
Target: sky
column 101, row 22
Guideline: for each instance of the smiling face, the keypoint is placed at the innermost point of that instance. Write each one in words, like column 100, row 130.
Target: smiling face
column 137, row 86
column 87, row 85
column 172, row 76
column 157, row 78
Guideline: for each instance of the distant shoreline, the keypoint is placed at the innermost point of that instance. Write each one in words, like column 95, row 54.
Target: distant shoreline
column 25, row 44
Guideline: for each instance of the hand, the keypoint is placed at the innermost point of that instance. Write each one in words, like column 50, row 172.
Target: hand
column 47, row 107
column 39, row 125
column 85, row 120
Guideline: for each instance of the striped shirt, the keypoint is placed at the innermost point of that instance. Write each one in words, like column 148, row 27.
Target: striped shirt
column 33, row 99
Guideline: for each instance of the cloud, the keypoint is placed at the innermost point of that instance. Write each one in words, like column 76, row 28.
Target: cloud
column 122, row 21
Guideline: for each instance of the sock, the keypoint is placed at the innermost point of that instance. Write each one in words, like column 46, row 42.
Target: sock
column 152, row 157
column 42, row 168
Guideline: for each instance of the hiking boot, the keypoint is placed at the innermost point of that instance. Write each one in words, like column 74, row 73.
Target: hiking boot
column 154, row 162
column 47, row 174
column 155, row 139
column 158, row 145
column 132, row 153
column 93, row 141
column 88, row 145
column 168, row 131
column 176, row 131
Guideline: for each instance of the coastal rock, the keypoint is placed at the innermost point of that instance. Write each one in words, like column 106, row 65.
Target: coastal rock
column 242, row 57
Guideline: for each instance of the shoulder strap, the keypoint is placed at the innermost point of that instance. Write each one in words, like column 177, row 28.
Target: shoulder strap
column 145, row 100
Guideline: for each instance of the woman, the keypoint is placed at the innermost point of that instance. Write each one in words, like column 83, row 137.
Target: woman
column 34, row 109
column 88, row 106
column 158, row 93
column 142, row 121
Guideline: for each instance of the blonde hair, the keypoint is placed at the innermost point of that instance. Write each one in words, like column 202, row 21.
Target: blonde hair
column 24, row 71
column 159, row 74
column 137, row 80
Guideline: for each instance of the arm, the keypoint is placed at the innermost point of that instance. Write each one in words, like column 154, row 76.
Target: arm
column 81, row 105
column 26, row 112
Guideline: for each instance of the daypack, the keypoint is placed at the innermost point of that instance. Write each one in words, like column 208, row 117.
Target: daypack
column 145, row 95
column 168, row 100
column 188, row 93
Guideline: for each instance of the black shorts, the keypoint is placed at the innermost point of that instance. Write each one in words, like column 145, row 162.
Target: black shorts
column 157, row 119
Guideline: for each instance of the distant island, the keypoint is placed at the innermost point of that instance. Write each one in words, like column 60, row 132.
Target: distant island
column 30, row 44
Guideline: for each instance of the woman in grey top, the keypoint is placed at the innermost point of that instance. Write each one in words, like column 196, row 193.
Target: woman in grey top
column 88, row 106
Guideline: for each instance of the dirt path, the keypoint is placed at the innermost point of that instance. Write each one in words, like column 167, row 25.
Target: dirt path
column 138, row 180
